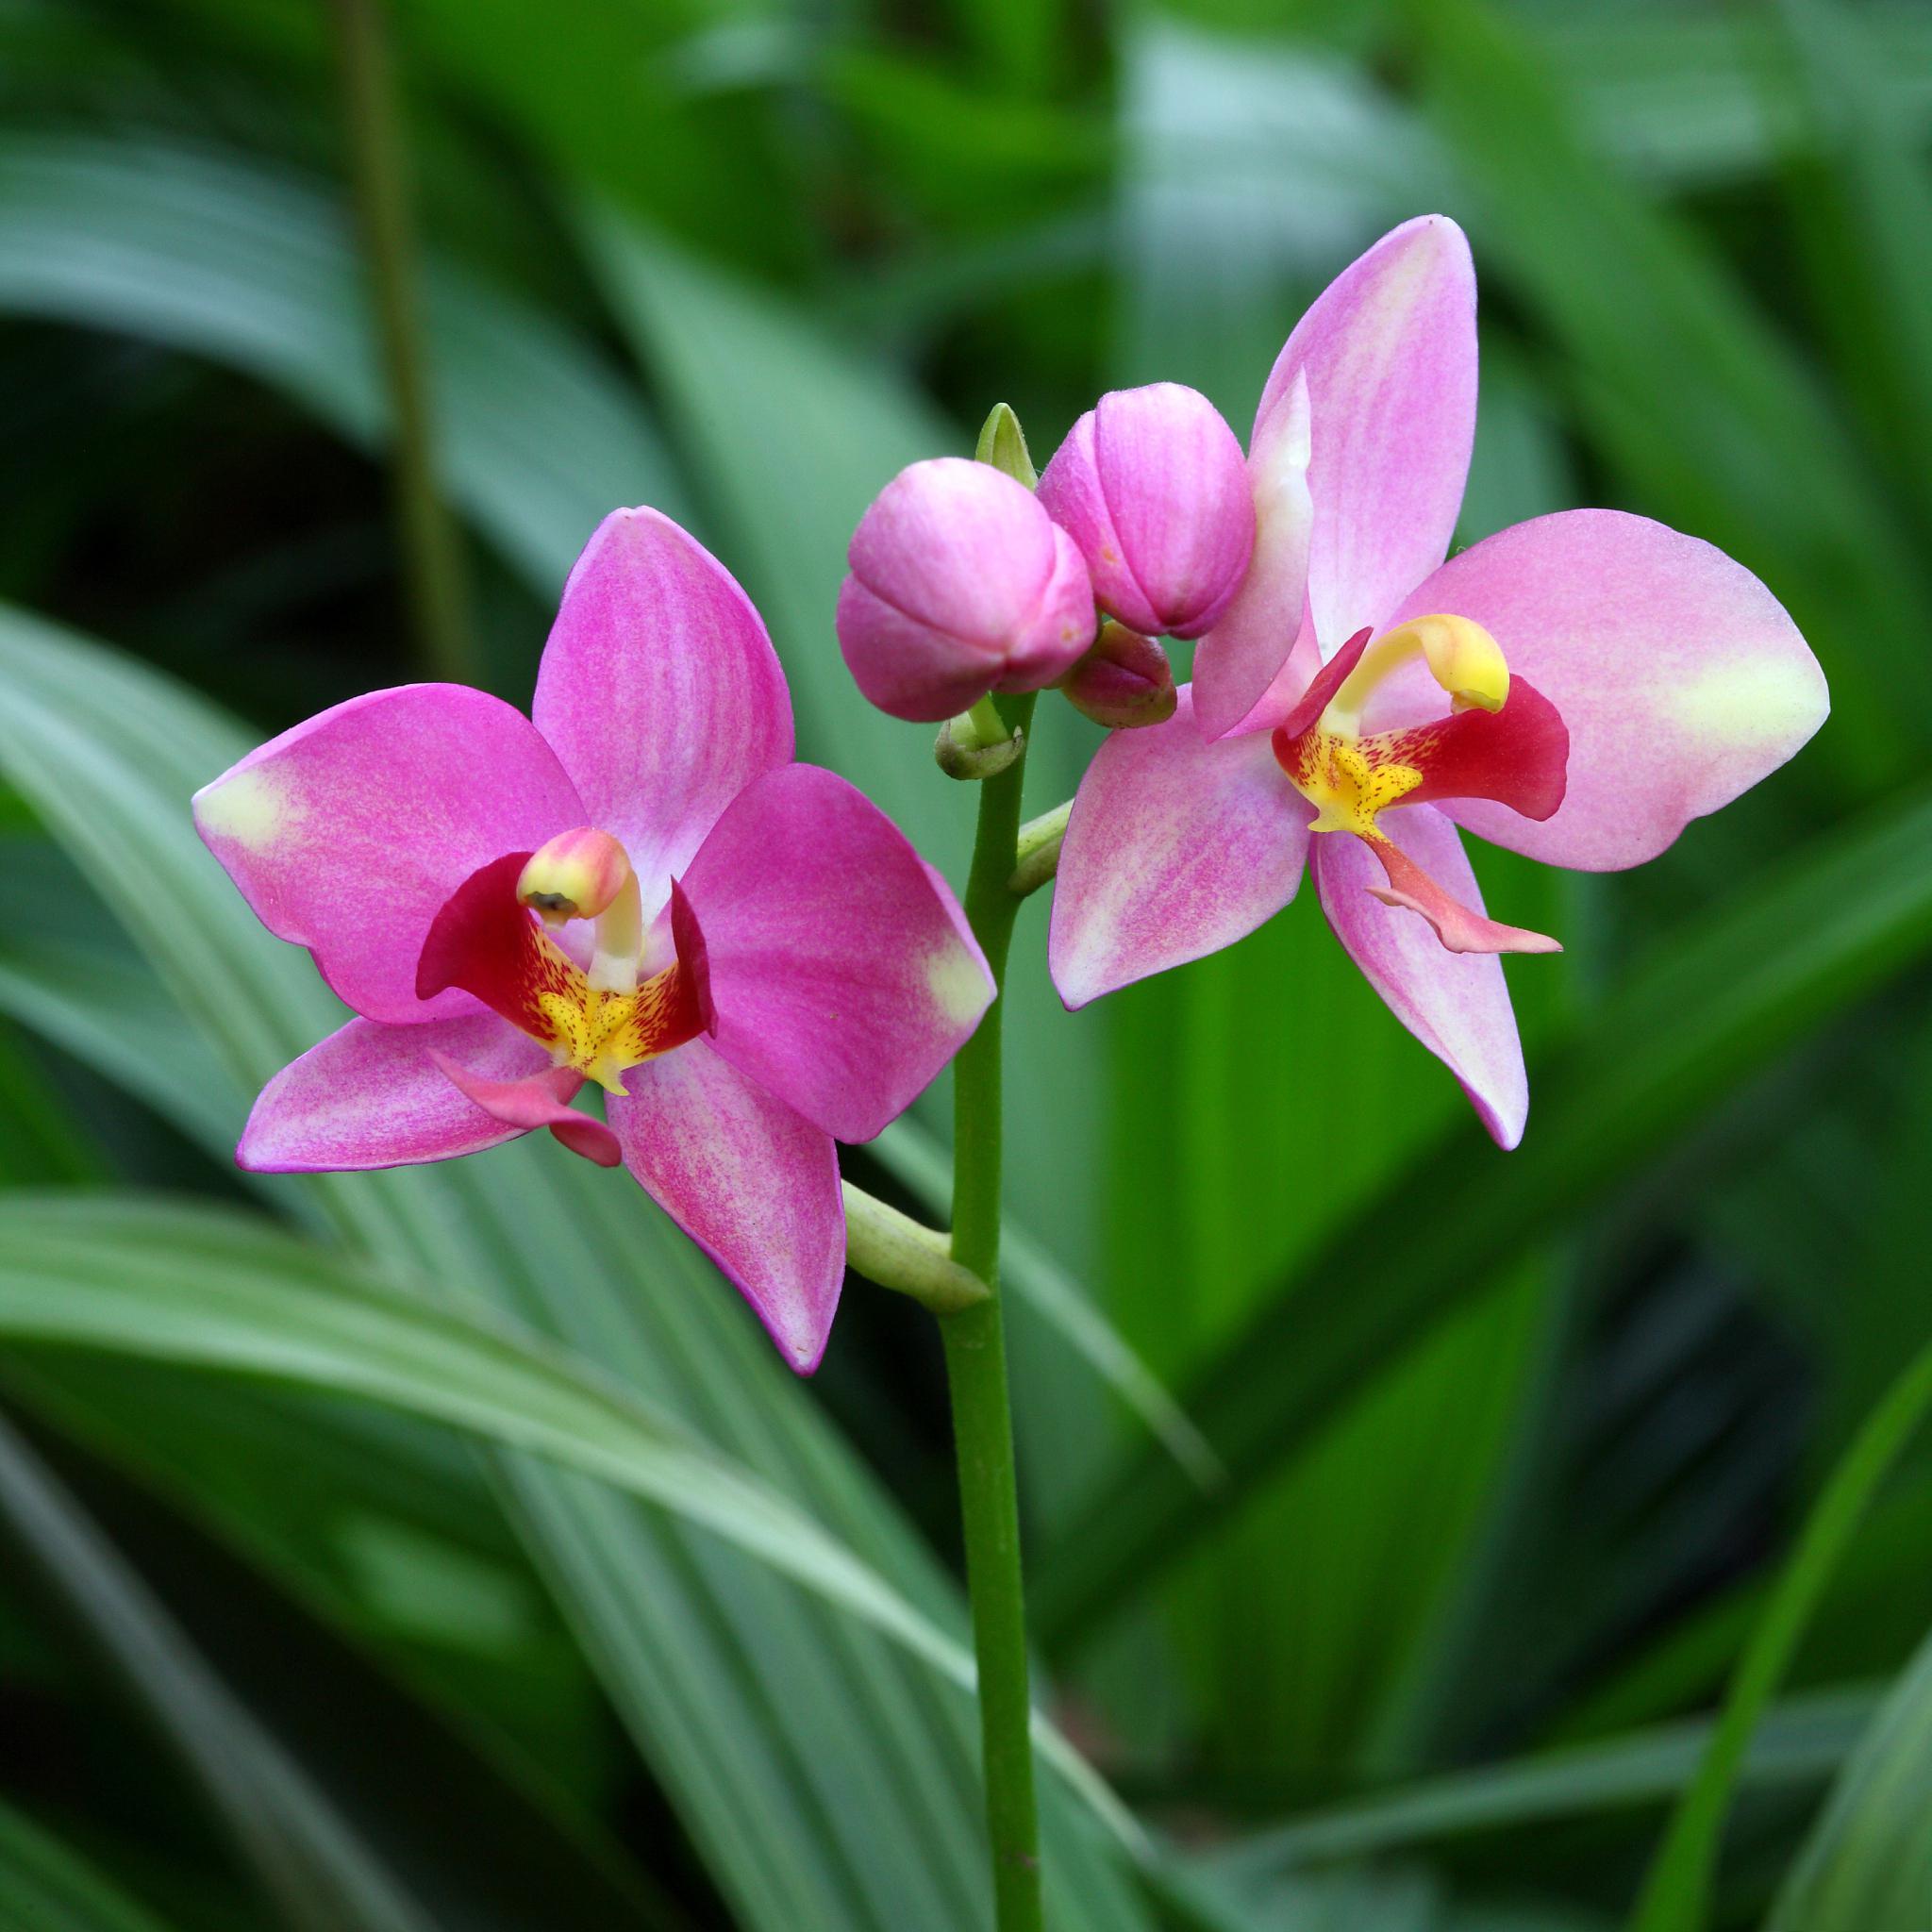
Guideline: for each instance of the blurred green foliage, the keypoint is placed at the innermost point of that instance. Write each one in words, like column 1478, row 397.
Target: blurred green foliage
column 1514, row 1450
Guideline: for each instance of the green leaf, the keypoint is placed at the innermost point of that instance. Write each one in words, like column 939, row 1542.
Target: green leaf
column 239, row 262
column 1799, row 1742
column 1676, row 1894
column 210, row 1290
column 1686, row 386
column 1868, row 1861
column 1712, row 1005
column 323, row 1876
column 49, row 1887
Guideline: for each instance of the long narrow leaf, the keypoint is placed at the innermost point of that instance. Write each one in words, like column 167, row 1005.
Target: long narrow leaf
column 208, row 1289
column 1712, row 1007
column 323, row 1876
column 49, row 1887
column 1677, row 1893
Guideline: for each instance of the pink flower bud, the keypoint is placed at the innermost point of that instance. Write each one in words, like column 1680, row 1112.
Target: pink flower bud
column 1153, row 487
column 1124, row 681
column 960, row 585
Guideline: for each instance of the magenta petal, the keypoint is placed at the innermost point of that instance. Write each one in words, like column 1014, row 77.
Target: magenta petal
column 842, row 971
column 661, row 691
column 1389, row 354
column 1679, row 676
column 1152, row 487
column 538, row 1100
column 371, row 1096
column 347, row 833
column 1239, row 659
column 1176, row 848
column 753, row 1183
column 1457, row 1004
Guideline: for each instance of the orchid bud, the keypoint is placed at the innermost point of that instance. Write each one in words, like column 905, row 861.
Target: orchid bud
column 1124, row 681
column 1153, row 487
column 960, row 585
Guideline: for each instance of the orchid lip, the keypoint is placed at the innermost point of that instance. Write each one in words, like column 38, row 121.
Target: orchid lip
column 1501, row 741
column 484, row 941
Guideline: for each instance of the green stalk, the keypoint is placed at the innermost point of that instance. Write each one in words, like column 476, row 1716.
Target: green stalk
column 432, row 562
column 976, row 1374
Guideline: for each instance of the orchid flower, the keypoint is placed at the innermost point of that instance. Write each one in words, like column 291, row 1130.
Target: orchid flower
column 1577, row 688
column 640, row 889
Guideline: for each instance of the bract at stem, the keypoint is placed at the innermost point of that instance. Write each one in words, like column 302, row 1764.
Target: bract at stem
column 905, row 1256
column 1037, row 853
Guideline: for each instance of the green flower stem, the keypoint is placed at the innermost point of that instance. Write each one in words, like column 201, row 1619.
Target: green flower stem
column 432, row 561
column 976, row 1374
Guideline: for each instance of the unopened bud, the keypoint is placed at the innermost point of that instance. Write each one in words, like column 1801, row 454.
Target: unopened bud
column 1124, row 681
column 960, row 585
column 1153, row 487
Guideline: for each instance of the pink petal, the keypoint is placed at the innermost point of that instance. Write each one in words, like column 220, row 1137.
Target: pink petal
column 753, row 1183
column 661, row 691
column 1152, row 487
column 1239, row 659
column 1457, row 1004
column 843, row 975
column 1678, row 674
column 538, row 1100
column 1175, row 849
column 371, row 1096
column 1389, row 354
column 347, row 833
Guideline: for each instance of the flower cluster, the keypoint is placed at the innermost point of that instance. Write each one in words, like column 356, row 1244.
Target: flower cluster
column 1577, row 688
column 637, row 888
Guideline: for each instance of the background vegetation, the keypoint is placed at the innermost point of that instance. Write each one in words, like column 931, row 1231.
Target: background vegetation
column 1399, row 1510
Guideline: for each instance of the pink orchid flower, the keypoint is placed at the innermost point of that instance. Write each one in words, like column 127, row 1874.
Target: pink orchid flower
column 639, row 888
column 1577, row 688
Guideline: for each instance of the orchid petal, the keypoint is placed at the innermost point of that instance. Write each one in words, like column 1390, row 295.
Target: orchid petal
column 1389, row 354
column 1679, row 676
column 843, row 975
column 754, row 1184
column 1239, row 659
column 347, row 833
column 1175, row 849
column 1457, row 1004
column 371, row 1096
column 661, row 691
